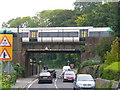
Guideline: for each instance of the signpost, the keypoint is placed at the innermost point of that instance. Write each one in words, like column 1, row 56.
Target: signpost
column 6, row 43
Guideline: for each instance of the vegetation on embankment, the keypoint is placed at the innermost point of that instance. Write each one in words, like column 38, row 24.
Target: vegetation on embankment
column 8, row 80
column 109, row 68
column 112, row 72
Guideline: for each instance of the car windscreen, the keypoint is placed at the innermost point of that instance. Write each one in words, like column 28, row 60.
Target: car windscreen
column 84, row 78
column 45, row 74
column 66, row 67
column 69, row 73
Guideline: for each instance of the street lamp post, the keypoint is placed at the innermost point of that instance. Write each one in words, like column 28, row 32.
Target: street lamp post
column 40, row 69
column 31, row 62
column 68, row 62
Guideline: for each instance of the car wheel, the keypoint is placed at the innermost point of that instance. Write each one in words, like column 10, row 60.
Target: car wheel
column 51, row 82
column 54, row 76
column 74, row 88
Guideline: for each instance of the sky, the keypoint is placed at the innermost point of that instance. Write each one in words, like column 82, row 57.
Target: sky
column 20, row 8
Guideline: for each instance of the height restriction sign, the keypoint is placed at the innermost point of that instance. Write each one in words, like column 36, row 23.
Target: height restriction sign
column 6, row 42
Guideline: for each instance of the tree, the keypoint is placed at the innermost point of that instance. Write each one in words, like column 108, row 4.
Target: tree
column 113, row 55
column 104, row 15
column 22, row 22
column 5, row 25
column 85, row 7
column 56, row 18
column 82, row 20
column 103, row 46
column 61, row 17
column 43, row 18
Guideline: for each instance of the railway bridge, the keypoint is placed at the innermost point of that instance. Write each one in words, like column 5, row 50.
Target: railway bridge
column 22, row 51
column 48, row 40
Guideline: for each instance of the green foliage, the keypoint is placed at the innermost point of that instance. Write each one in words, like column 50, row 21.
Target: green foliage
column 102, row 15
column 85, row 7
column 82, row 20
column 113, row 55
column 103, row 46
column 114, row 67
column 46, row 18
column 111, row 64
column 56, row 60
column 114, row 72
column 8, row 80
column 90, row 62
column 22, row 22
column 101, row 68
column 84, row 14
column 56, row 18
column 20, row 70
column 43, row 18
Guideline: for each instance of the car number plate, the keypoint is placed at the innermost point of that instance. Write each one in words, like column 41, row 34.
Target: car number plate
column 44, row 77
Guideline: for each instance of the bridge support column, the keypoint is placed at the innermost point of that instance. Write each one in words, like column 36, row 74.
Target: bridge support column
column 29, row 69
column 79, row 62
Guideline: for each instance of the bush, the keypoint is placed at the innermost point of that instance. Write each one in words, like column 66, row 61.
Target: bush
column 8, row 80
column 90, row 62
column 100, row 71
column 20, row 70
column 112, row 72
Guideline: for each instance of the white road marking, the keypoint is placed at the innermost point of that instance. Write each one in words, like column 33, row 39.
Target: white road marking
column 31, row 84
column 56, row 83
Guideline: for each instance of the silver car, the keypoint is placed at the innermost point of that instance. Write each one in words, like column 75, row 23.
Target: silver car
column 84, row 81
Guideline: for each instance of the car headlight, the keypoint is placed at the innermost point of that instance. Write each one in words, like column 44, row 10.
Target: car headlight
column 93, row 85
column 79, row 84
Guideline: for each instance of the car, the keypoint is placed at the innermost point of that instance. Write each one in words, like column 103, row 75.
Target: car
column 84, row 81
column 66, row 68
column 52, row 72
column 68, row 76
column 45, row 77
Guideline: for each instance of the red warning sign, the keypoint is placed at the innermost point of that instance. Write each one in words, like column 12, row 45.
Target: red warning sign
column 5, row 42
column 4, row 55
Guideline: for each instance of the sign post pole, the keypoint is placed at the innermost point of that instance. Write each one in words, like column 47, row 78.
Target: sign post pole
column 8, row 67
column 6, row 43
column 1, row 65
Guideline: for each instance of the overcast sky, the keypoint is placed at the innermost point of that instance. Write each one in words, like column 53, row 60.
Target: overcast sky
column 20, row 8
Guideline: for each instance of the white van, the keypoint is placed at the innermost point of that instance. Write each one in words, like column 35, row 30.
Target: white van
column 66, row 68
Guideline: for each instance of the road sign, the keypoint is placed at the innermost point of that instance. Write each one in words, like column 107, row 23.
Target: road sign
column 5, row 42
column 72, row 65
column 4, row 55
column 9, row 68
column 6, row 47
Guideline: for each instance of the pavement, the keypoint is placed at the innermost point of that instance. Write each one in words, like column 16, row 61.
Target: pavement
column 23, row 82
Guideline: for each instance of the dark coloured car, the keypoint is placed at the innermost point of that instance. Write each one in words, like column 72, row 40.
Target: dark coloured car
column 53, row 73
column 45, row 77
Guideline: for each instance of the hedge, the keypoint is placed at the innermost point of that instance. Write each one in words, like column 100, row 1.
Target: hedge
column 112, row 72
column 90, row 62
